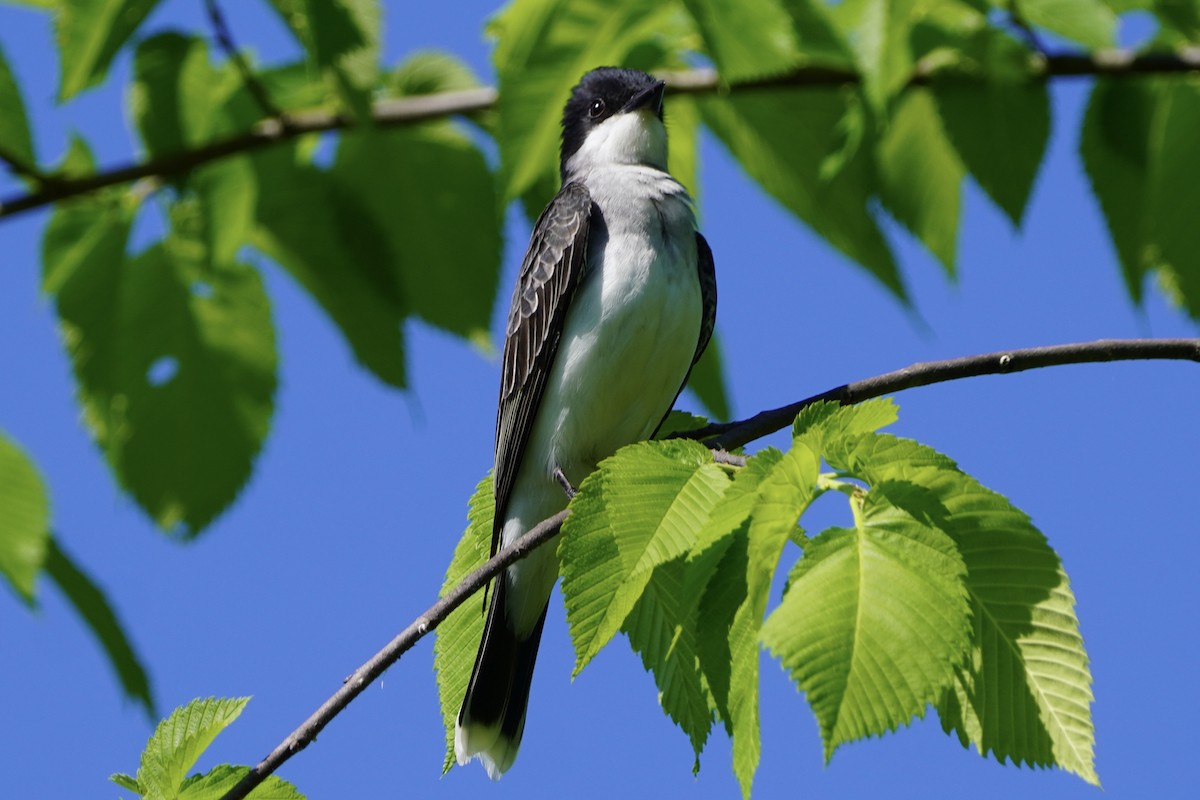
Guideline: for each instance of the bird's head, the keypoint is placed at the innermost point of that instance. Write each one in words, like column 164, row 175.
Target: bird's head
column 614, row 116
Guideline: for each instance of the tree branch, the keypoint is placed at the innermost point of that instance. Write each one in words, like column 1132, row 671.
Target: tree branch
column 225, row 39
column 735, row 434
column 354, row 685
column 729, row 435
column 410, row 110
column 21, row 168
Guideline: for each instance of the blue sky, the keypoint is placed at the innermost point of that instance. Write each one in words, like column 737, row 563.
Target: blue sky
column 343, row 533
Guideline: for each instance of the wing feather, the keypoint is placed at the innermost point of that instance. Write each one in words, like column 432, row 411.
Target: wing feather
column 545, row 286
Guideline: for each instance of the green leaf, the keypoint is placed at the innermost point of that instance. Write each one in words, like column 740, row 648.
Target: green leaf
column 707, row 380
column 172, row 97
column 998, row 120
column 227, row 193
column 15, row 139
column 325, row 237
column 126, row 782
column 342, row 36
column 1024, row 690
column 93, row 608
column 749, row 39
column 214, row 784
column 716, row 577
column 679, row 422
column 1135, row 146
column 1116, row 148
column 662, row 629
column 821, row 422
column 779, row 500
column 457, row 638
column 1175, row 182
column 1179, row 16
column 805, row 148
column 179, row 740
column 431, row 72
column 24, row 520
column 1090, row 22
column 920, row 175
column 89, row 33
column 423, row 185
column 879, row 33
column 174, row 356
column 640, row 508
column 875, row 617
column 543, row 47
column 820, row 42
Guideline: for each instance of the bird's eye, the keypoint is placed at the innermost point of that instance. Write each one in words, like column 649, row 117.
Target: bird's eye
column 596, row 108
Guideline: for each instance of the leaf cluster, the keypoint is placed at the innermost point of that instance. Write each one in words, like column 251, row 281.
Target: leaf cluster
column 939, row 593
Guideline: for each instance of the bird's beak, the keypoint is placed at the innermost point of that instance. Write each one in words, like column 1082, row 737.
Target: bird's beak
column 651, row 97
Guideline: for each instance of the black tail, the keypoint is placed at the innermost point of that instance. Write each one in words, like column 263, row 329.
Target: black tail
column 492, row 717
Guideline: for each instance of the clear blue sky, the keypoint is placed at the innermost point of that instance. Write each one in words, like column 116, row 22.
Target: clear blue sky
column 343, row 533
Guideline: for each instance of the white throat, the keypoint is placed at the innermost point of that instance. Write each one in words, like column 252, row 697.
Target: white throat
column 630, row 138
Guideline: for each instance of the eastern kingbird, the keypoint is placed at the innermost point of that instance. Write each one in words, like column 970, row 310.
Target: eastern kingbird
column 614, row 303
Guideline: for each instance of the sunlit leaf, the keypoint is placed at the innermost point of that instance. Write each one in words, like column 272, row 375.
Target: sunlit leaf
column 920, row 175
column 214, row 784
column 457, row 638
column 641, row 508
column 875, row 618
column 89, row 33
column 1090, row 22
column 179, row 740
column 24, row 519
column 174, row 356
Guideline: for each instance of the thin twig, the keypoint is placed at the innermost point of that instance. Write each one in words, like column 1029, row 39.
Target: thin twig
column 225, row 39
column 368, row 672
column 733, row 434
column 21, row 168
column 409, row 110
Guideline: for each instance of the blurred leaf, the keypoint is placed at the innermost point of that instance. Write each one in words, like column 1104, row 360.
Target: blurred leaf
column 429, row 188
column 1175, row 182
column 324, row 235
column 180, row 739
column 1137, row 148
column 15, row 139
column 174, row 355
column 920, row 175
column 1089, row 22
column 170, row 98
column 878, row 32
column 214, row 784
column 342, row 36
column 24, row 520
column 894, row 618
column 681, row 117
column 998, row 122
column 660, row 628
column 749, row 39
column 227, row 192
column 1181, row 16
column 820, row 42
column 457, row 639
column 1115, row 145
column 543, row 48
column 93, row 607
column 805, row 148
column 640, row 509
column 707, row 380
column 89, row 33
column 431, row 72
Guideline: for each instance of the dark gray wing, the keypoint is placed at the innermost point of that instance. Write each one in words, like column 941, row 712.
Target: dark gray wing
column 549, row 274
column 706, row 272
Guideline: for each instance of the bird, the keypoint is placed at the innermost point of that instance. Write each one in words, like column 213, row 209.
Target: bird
column 614, row 303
